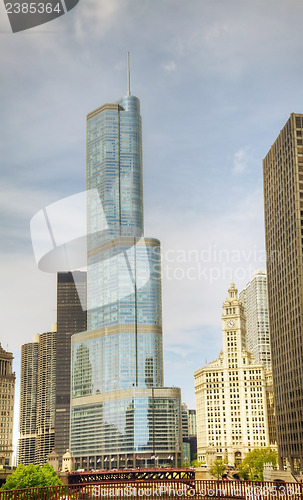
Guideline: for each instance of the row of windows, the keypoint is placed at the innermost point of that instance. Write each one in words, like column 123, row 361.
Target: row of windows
column 132, row 424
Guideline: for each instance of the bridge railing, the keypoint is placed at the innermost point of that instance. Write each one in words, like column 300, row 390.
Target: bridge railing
column 162, row 489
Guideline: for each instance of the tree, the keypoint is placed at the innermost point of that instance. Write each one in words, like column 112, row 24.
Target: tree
column 252, row 466
column 218, row 468
column 30, row 476
column 196, row 463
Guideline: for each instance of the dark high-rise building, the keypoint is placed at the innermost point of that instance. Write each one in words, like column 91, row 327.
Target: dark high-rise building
column 121, row 415
column 283, row 202
column 71, row 318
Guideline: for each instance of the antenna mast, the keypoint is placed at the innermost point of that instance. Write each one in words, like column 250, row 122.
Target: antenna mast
column 128, row 75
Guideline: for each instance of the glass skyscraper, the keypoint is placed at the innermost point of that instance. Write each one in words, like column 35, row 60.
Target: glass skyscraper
column 254, row 298
column 121, row 415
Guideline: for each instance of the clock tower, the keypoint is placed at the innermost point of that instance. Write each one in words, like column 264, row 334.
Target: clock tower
column 231, row 394
column 233, row 328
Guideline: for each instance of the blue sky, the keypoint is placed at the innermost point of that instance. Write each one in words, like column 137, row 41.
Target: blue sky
column 217, row 80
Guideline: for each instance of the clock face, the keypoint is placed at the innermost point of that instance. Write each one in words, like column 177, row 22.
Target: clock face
column 230, row 323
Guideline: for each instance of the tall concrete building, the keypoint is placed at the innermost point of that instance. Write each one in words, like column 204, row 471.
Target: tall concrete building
column 283, row 205
column 254, row 298
column 185, row 438
column 192, row 423
column 192, row 433
column 28, row 402
column 37, row 399
column 46, row 395
column 7, row 401
column 185, row 432
column 231, row 401
column 189, row 434
column 121, row 414
column 71, row 318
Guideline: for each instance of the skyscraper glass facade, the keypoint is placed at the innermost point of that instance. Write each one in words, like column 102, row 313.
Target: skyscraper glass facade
column 121, row 414
column 254, row 298
column 114, row 167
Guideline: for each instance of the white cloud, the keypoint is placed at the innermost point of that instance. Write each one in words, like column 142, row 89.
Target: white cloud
column 170, row 66
column 28, row 299
column 241, row 160
column 201, row 256
column 97, row 17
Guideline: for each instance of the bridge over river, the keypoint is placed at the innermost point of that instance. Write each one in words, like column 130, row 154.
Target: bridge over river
column 93, row 476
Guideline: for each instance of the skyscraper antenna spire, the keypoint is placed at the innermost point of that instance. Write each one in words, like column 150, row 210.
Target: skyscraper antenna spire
column 128, row 75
